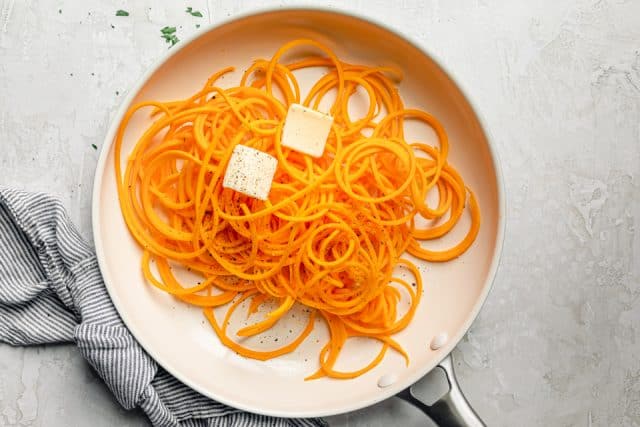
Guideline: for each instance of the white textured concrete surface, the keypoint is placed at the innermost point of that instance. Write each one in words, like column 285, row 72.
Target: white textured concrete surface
column 558, row 341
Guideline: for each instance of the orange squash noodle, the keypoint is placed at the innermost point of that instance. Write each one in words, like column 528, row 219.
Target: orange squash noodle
column 333, row 228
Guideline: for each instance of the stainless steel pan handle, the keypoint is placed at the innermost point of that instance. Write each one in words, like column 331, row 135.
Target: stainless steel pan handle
column 452, row 409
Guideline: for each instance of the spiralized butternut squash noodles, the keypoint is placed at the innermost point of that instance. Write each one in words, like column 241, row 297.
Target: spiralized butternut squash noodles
column 333, row 228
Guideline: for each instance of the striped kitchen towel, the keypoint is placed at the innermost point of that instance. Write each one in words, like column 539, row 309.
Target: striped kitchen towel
column 51, row 291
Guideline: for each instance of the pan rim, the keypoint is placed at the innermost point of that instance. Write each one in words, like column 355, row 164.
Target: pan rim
column 416, row 373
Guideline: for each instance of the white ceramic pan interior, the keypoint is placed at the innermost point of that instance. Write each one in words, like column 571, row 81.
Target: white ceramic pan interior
column 178, row 336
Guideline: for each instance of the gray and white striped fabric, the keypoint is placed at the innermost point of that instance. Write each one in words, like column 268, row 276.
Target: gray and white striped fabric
column 51, row 291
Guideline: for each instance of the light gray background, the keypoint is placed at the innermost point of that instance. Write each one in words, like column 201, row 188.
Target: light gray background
column 558, row 341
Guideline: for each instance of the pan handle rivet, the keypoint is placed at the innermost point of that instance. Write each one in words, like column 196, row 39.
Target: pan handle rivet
column 439, row 340
column 386, row 380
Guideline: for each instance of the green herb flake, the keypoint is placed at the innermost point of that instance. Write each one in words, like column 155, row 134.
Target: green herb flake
column 95, row 147
column 169, row 35
column 197, row 25
column 192, row 12
column 122, row 13
column 60, row 11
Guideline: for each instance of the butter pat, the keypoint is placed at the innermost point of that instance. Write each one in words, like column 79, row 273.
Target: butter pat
column 250, row 172
column 306, row 130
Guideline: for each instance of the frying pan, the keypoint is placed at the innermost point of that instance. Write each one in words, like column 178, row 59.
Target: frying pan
column 178, row 337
